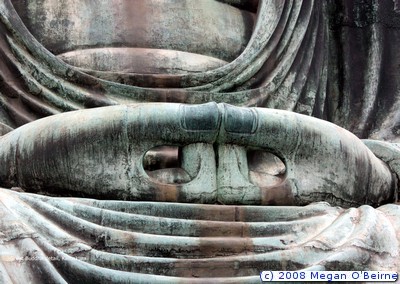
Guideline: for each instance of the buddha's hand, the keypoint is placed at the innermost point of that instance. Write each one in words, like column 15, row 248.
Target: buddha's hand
column 100, row 153
column 323, row 161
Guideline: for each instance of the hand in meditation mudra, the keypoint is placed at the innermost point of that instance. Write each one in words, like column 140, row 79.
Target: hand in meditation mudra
column 188, row 141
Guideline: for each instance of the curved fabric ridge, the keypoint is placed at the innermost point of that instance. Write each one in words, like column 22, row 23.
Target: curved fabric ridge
column 85, row 238
column 140, row 60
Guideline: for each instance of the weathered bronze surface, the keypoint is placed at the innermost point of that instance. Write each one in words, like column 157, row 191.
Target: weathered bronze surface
column 197, row 141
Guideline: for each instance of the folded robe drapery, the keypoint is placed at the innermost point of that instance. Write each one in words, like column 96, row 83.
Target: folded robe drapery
column 68, row 240
column 335, row 61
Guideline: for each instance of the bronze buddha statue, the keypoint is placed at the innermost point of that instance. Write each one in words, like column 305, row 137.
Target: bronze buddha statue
column 197, row 141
